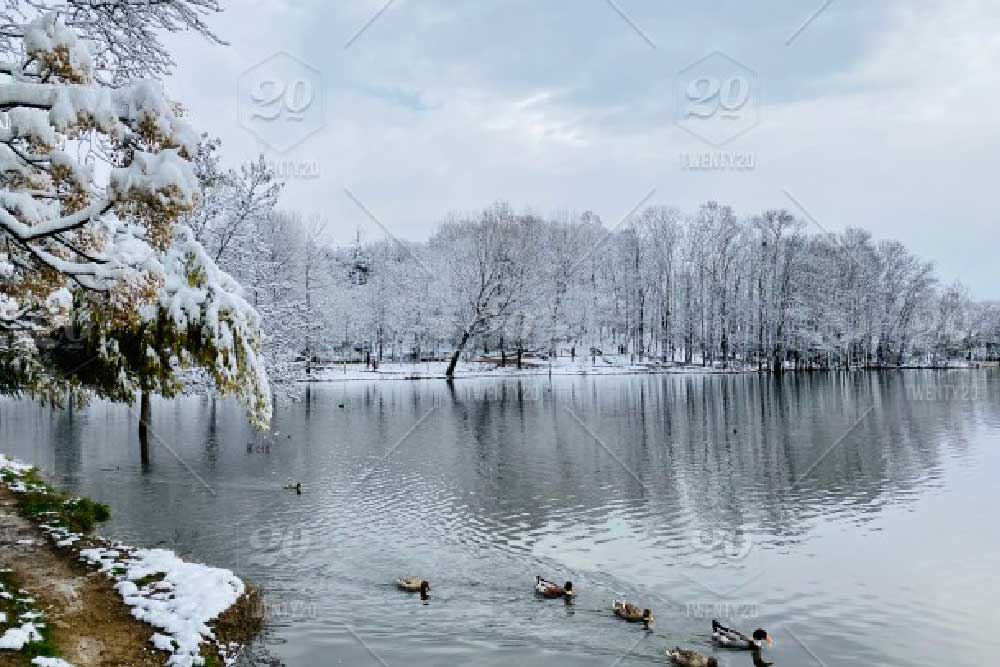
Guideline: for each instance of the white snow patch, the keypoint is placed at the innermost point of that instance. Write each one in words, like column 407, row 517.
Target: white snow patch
column 162, row 642
column 48, row 32
column 50, row 662
column 15, row 638
column 13, row 466
column 198, row 594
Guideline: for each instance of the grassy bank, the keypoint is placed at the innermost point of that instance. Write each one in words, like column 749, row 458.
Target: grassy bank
column 53, row 607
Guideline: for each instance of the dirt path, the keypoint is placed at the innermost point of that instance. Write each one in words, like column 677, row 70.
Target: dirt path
column 91, row 626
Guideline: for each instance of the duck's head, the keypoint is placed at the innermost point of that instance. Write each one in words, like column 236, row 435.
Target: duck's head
column 568, row 589
column 647, row 617
column 298, row 487
column 760, row 635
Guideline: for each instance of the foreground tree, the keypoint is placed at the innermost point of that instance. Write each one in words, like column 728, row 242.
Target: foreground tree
column 95, row 242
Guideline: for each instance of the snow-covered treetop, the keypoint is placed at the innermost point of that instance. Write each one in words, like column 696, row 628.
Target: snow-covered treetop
column 123, row 36
column 93, row 184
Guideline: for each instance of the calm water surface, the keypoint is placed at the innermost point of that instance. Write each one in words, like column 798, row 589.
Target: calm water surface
column 852, row 515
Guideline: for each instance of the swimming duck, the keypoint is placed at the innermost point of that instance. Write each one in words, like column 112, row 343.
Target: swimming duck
column 414, row 585
column 547, row 589
column 686, row 658
column 297, row 487
column 632, row 614
column 730, row 638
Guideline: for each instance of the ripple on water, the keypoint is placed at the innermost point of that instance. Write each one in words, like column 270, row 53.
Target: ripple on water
column 882, row 554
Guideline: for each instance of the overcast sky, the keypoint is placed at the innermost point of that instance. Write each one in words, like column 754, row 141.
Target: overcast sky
column 874, row 114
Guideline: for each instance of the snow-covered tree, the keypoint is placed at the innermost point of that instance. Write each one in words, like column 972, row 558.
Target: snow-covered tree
column 487, row 263
column 94, row 182
column 234, row 203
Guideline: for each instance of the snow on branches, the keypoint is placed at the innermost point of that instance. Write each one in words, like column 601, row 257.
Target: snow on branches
column 123, row 36
column 94, row 184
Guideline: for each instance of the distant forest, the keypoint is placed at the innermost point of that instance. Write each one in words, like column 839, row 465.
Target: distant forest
column 709, row 287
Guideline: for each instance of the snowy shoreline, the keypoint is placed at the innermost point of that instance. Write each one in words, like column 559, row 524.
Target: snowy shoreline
column 562, row 368
column 178, row 600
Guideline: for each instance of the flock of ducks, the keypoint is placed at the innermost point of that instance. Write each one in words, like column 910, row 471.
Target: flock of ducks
column 721, row 635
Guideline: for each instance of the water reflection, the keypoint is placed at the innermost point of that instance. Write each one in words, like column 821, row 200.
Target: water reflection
column 846, row 508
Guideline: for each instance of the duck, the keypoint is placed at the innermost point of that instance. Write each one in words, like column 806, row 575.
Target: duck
column 632, row 614
column 759, row 661
column 414, row 585
column 729, row 638
column 547, row 589
column 297, row 487
column 686, row 658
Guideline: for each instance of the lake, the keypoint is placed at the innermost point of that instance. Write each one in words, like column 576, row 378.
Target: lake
column 851, row 514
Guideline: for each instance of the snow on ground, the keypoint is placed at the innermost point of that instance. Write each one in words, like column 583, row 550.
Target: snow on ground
column 50, row 662
column 14, row 639
column 178, row 598
column 13, row 466
column 582, row 365
column 562, row 365
column 24, row 620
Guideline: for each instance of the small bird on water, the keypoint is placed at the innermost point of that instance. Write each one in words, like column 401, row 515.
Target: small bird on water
column 730, row 638
column 548, row 589
column 686, row 658
column 632, row 614
column 414, row 585
column 297, row 487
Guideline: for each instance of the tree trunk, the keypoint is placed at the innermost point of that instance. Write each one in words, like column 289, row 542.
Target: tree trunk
column 145, row 416
column 450, row 373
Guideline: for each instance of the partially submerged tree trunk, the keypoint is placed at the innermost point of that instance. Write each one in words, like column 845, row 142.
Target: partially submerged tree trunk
column 145, row 416
column 450, row 373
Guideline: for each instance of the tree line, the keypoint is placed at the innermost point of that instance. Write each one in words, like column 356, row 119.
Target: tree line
column 709, row 287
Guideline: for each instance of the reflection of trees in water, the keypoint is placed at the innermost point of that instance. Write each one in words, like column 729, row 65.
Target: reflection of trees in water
column 783, row 427
column 719, row 452
column 67, row 425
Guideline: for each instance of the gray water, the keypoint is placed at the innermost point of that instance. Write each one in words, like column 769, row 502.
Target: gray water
column 852, row 515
